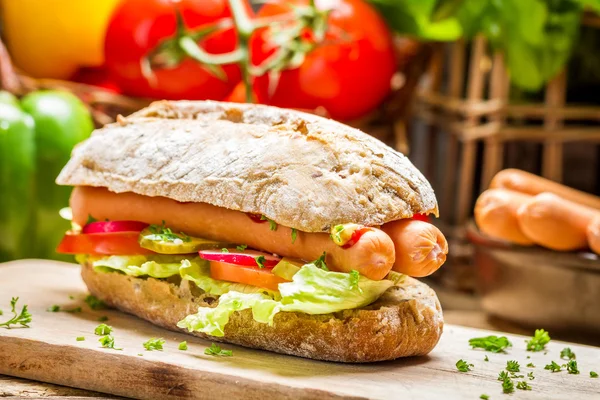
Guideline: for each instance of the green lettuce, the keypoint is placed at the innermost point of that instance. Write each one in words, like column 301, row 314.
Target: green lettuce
column 312, row 291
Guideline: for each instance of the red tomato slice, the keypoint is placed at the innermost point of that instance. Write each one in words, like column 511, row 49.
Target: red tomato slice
column 114, row 226
column 245, row 258
column 421, row 217
column 356, row 235
column 116, row 243
column 261, row 277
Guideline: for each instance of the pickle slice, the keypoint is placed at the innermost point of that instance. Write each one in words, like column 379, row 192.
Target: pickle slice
column 177, row 243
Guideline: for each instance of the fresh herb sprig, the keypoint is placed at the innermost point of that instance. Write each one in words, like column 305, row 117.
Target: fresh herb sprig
column 553, row 366
column 495, row 344
column 215, row 350
column 513, row 366
column 523, row 385
column 108, row 342
column 260, row 261
column 154, row 344
column 183, row 346
column 320, row 262
column 572, row 367
column 272, row 224
column 538, row 341
column 463, row 366
column 23, row 318
column 103, row 329
column 567, row 354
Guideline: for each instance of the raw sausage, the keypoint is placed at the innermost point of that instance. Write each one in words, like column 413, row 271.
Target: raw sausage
column 496, row 215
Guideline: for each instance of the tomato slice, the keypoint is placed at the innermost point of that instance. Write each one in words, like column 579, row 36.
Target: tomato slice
column 114, row 226
column 255, row 276
column 356, row 235
column 246, row 258
column 421, row 217
column 115, row 243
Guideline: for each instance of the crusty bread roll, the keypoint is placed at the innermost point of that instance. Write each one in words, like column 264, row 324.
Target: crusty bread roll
column 405, row 321
column 299, row 170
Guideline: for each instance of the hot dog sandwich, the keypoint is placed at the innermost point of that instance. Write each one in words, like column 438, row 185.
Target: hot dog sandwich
column 258, row 226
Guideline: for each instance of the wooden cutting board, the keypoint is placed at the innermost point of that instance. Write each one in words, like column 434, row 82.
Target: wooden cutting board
column 48, row 351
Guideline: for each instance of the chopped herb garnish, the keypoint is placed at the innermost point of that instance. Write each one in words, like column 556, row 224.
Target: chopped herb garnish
column 54, row 308
column 593, row 374
column 109, row 342
column 320, row 262
column 484, row 397
column 242, row 247
column 494, row 344
column 80, row 338
column 513, row 366
column 183, row 345
column 23, row 318
column 272, row 224
column 90, row 219
column 567, row 354
column 523, row 385
column 503, row 375
column 103, row 318
column 530, row 365
column 161, row 232
column 73, row 310
column 354, row 279
column 1, row 312
column 103, row 329
column 554, row 367
column 71, row 297
column 140, row 354
column 486, row 358
column 294, row 235
column 154, row 344
column 260, row 261
column 215, row 350
column 507, row 384
column 530, row 376
column 463, row 366
column 572, row 367
column 224, row 250
column 94, row 303
column 538, row 341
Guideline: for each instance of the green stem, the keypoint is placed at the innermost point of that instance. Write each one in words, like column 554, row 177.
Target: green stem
column 245, row 27
column 191, row 49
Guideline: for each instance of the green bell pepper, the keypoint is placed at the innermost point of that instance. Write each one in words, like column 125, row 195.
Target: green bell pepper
column 17, row 166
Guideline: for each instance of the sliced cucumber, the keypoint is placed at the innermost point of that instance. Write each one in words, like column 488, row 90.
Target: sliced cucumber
column 180, row 244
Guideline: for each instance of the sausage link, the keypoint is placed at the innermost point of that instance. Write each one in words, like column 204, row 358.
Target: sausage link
column 593, row 235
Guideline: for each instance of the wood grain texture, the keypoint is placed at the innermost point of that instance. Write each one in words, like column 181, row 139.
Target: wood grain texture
column 49, row 352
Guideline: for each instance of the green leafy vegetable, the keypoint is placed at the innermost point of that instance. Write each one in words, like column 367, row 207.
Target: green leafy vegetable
column 294, row 235
column 272, row 224
column 183, row 345
column 593, row 374
column 523, row 385
column 494, row 344
column 572, row 367
column 463, row 366
column 80, row 338
column 154, row 344
column 242, row 247
column 320, row 262
column 567, row 354
column 538, row 341
column 312, row 291
column 215, row 350
column 23, row 318
column 513, row 366
column 108, row 342
column 103, row 329
column 554, row 367
column 260, row 261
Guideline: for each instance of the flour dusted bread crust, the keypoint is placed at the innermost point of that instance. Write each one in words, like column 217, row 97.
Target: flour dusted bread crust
column 300, row 170
column 405, row 321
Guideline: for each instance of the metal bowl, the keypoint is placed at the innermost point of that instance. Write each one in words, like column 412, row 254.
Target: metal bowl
column 537, row 287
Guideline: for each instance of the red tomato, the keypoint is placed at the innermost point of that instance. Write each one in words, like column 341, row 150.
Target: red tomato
column 119, row 243
column 246, row 258
column 421, row 217
column 138, row 26
column 244, row 274
column 349, row 75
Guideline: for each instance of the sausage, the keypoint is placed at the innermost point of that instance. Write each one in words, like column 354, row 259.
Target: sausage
column 554, row 222
column 524, row 182
column 420, row 247
column 496, row 215
column 593, row 235
column 372, row 255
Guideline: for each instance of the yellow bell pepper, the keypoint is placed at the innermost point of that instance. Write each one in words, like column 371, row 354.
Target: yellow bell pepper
column 53, row 38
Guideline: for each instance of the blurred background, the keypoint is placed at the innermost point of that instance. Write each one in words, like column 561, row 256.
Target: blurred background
column 465, row 88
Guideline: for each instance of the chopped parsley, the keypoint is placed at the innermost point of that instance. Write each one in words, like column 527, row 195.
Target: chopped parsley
column 593, row 374
column 486, row 358
column 242, row 247
column 94, row 303
column 567, row 354
column 1, row 312
column 538, row 341
column 54, row 308
column 161, row 232
column 272, row 224
column 183, row 345
column 513, row 366
column 335, row 235
column 463, row 366
column 523, row 385
column 320, row 262
column 103, row 318
column 71, row 297
column 260, row 261
column 103, row 329
column 530, row 365
column 23, row 318
column 507, row 384
column 90, row 219
column 215, row 350
column 554, row 367
column 108, row 342
column 294, row 235
column 354, row 279
column 530, row 376
column 503, row 375
column 494, row 344
column 154, row 344
column 484, row 397
column 73, row 310
column 224, row 250
column 80, row 338
column 572, row 367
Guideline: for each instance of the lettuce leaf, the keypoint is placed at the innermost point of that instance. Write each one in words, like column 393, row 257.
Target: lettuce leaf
column 312, row 291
